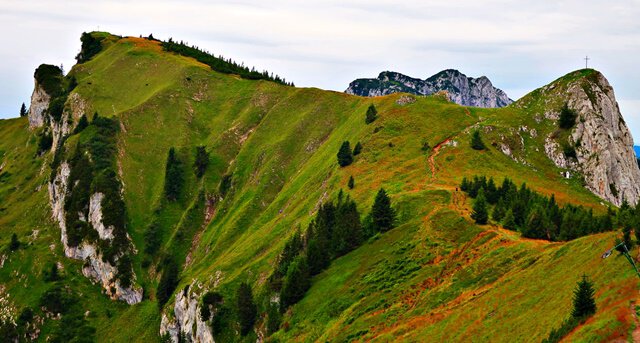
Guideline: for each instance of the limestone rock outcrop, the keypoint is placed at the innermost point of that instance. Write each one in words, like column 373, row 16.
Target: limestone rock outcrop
column 186, row 317
column 601, row 138
column 95, row 267
column 38, row 107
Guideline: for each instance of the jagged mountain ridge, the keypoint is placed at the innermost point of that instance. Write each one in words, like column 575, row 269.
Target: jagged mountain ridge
column 279, row 144
column 462, row 90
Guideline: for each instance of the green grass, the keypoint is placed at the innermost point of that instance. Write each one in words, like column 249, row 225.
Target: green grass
column 436, row 275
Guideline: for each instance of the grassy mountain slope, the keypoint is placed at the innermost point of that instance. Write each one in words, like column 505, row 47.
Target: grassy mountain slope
column 436, row 275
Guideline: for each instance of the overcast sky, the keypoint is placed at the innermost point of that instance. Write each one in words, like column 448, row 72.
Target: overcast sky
column 519, row 45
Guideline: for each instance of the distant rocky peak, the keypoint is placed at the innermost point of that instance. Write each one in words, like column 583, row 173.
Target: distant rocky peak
column 462, row 90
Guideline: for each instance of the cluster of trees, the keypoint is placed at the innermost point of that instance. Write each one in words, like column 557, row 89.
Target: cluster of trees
column 372, row 114
column 531, row 213
column 220, row 64
column 91, row 46
column 57, row 86
column 335, row 230
column 71, row 325
column 244, row 307
column 584, row 306
column 345, row 154
column 92, row 167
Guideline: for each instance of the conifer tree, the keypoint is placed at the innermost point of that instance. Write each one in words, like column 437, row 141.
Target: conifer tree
column 499, row 211
column 480, row 213
column 273, row 318
column 351, row 182
column 168, row 282
column 509, row 221
column 23, row 110
column 15, row 243
column 345, row 156
column 52, row 274
column 83, row 122
column 382, row 215
column 476, row 141
column 296, row 283
column 584, row 304
column 372, row 114
column 173, row 176
column 201, row 161
column 626, row 236
column 357, row 149
column 247, row 310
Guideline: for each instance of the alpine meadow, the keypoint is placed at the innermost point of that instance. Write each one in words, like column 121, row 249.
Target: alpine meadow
column 156, row 192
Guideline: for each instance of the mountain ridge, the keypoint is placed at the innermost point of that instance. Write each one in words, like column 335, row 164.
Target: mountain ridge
column 461, row 89
column 272, row 163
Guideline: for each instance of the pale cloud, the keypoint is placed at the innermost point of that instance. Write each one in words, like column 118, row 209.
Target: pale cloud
column 518, row 45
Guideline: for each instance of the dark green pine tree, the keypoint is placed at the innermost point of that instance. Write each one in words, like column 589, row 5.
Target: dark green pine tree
column 82, row 124
column 499, row 211
column 345, row 156
column 584, row 304
column 382, row 215
column 247, row 310
column 567, row 117
column 53, row 274
column 351, row 182
column 201, row 161
column 626, row 236
column 15, row 243
column 347, row 233
column 273, row 318
column 480, row 213
column 168, row 282
column 173, row 176
column 476, row 141
column 23, row 110
column 296, row 283
column 125, row 270
column 357, row 149
column 372, row 114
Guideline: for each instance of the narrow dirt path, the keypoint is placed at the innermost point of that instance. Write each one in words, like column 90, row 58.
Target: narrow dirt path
column 436, row 151
column 636, row 331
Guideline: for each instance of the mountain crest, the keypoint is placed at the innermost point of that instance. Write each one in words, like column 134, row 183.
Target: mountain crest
column 463, row 90
column 599, row 145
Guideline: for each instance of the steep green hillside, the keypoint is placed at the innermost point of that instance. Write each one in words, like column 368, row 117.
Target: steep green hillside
column 272, row 162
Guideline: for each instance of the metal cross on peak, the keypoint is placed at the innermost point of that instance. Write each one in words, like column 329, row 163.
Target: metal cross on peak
column 586, row 62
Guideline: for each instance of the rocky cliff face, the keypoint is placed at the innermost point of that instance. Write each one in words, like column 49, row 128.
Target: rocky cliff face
column 95, row 267
column 462, row 90
column 186, row 317
column 602, row 141
column 38, row 107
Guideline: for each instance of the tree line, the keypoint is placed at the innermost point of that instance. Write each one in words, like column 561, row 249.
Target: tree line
column 221, row 64
column 534, row 215
column 335, row 231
